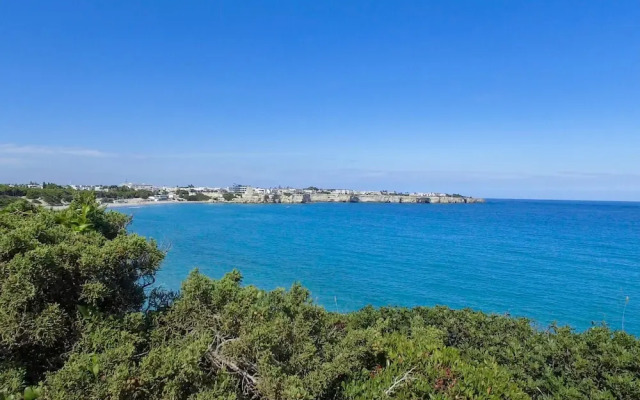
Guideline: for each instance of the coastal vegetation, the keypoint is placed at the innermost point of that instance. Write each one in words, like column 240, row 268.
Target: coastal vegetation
column 192, row 196
column 57, row 195
column 115, row 192
column 228, row 196
column 81, row 319
column 50, row 193
column 197, row 197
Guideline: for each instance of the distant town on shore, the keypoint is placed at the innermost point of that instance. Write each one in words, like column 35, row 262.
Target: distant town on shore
column 51, row 194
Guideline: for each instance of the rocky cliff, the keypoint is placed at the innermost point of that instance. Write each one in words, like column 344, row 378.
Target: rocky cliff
column 347, row 198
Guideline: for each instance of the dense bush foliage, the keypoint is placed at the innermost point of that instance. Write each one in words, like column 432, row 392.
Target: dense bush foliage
column 123, row 192
column 13, row 191
column 51, row 193
column 193, row 196
column 228, row 196
column 198, row 197
column 74, row 324
column 6, row 200
column 54, row 263
column 55, row 195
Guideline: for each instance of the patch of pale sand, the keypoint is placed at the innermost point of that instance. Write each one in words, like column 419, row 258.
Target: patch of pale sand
column 143, row 202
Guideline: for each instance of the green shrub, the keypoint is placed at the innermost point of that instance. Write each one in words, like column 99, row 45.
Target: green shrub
column 198, row 197
column 52, row 263
column 13, row 191
column 6, row 200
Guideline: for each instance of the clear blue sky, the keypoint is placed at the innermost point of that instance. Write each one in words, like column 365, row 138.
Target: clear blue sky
column 521, row 99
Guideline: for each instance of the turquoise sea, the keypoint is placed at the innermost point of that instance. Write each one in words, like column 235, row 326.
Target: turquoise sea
column 571, row 262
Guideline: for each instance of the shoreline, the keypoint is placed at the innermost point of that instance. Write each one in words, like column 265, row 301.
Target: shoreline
column 307, row 198
column 154, row 203
column 139, row 202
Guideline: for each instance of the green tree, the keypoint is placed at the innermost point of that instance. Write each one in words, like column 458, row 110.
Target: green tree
column 198, row 197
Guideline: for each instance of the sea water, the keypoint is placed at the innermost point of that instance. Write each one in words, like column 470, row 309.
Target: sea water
column 576, row 263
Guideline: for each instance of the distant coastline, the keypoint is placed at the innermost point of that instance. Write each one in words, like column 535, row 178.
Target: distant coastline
column 307, row 199
column 56, row 196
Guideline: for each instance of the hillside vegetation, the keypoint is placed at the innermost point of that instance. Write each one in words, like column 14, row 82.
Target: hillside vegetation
column 78, row 321
column 51, row 194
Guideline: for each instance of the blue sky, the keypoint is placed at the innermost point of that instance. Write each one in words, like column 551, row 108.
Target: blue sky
column 518, row 99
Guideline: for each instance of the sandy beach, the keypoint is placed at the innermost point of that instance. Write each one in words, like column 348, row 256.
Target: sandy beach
column 142, row 202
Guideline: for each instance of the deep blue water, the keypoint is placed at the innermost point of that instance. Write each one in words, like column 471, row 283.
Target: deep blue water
column 572, row 262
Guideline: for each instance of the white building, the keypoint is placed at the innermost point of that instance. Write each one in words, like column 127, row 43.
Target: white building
column 341, row 191
column 239, row 189
column 139, row 186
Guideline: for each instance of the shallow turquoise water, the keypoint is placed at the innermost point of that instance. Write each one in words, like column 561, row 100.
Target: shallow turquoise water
column 573, row 262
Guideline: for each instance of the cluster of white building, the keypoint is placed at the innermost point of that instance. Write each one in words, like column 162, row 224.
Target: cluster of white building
column 97, row 188
column 173, row 192
column 429, row 194
column 140, row 186
column 242, row 189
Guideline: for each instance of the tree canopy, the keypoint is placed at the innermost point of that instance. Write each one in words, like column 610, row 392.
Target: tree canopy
column 56, row 195
column 79, row 320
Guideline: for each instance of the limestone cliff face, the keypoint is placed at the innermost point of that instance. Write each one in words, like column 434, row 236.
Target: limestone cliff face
column 346, row 198
column 413, row 199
